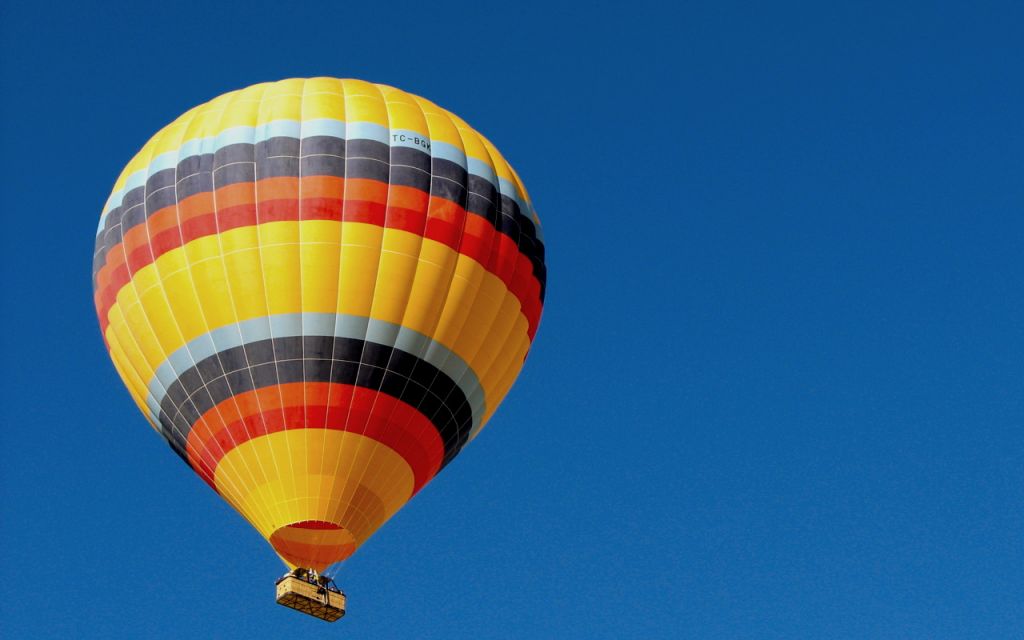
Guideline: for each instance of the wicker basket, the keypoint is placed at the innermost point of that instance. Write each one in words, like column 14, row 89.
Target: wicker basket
column 315, row 600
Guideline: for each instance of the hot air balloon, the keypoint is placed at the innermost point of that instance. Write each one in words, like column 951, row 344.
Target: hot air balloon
column 318, row 291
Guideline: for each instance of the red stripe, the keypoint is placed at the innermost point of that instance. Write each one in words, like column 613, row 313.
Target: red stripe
column 365, row 201
column 316, row 405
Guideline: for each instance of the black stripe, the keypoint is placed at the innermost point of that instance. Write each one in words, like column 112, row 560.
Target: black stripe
column 325, row 156
column 317, row 359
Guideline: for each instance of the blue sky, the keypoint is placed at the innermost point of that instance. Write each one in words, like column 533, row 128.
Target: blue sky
column 776, row 392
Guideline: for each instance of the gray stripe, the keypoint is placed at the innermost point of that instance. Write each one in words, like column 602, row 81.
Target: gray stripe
column 322, row 324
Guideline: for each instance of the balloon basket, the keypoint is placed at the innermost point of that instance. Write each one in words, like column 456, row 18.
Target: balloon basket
column 317, row 597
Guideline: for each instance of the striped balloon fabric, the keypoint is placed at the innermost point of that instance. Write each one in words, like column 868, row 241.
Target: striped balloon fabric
column 318, row 291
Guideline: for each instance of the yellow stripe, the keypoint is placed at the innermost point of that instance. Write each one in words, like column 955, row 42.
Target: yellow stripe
column 511, row 360
column 315, row 474
column 131, row 380
column 386, row 274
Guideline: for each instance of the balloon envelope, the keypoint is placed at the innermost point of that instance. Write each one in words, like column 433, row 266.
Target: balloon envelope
column 318, row 291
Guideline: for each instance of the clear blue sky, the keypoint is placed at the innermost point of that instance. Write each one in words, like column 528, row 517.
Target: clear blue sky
column 776, row 392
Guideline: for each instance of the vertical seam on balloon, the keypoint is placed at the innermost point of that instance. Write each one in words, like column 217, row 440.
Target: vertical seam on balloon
column 373, row 296
column 390, row 482
column 509, row 294
column 271, row 512
column 325, row 506
column 302, row 316
column 455, row 263
column 233, row 477
column 385, row 426
column 495, row 246
column 402, row 325
column 333, row 478
column 234, row 307
column 373, row 299
column 307, row 434
column 475, row 295
column 142, row 309
column 115, row 359
column 499, row 394
column 262, row 509
column 285, row 478
column 170, row 308
column 497, row 361
column 124, row 312
column 446, row 288
column 344, row 509
column 513, row 361
column 213, row 194
column 129, row 372
column 337, row 296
